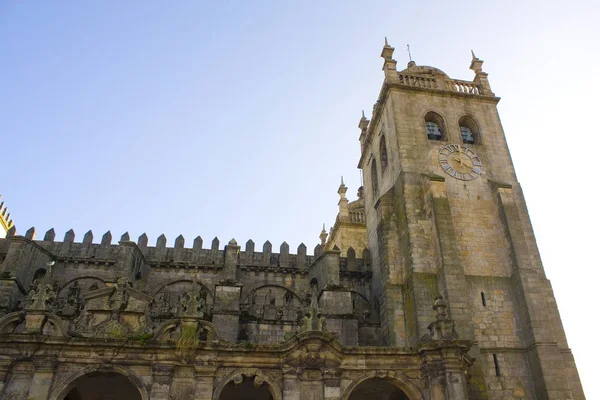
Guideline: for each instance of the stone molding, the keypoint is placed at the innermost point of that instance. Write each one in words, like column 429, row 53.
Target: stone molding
column 260, row 377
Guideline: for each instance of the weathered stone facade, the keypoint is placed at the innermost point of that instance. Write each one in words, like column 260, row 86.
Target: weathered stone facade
column 429, row 286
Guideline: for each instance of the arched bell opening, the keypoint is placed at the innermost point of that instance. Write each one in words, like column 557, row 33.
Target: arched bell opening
column 377, row 389
column 247, row 389
column 102, row 385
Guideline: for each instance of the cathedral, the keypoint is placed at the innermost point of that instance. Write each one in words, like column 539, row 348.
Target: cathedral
column 428, row 286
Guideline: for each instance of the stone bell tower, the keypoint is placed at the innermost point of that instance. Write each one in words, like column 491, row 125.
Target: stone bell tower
column 446, row 215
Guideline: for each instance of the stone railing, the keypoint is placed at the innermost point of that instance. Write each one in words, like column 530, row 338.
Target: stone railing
column 464, row 87
column 357, row 217
column 453, row 85
column 418, row 81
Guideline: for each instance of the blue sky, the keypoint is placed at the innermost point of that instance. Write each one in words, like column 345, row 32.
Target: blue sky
column 236, row 119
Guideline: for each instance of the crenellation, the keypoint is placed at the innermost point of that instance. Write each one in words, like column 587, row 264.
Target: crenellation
column 161, row 242
column 69, row 236
column 88, row 237
column 30, row 234
column 179, row 242
column 143, row 241
column 125, row 237
column 50, row 235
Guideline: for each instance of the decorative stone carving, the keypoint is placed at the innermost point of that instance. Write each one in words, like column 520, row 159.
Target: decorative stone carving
column 443, row 327
column 193, row 304
column 120, row 296
column 39, row 297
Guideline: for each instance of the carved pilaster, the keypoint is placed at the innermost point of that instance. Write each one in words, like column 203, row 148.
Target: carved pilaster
column 42, row 379
column 162, row 375
column 204, row 382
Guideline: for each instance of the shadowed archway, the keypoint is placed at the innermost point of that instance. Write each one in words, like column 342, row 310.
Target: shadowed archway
column 102, row 386
column 377, row 389
column 247, row 389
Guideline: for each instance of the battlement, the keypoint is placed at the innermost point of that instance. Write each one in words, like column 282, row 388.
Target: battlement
column 6, row 223
column 177, row 256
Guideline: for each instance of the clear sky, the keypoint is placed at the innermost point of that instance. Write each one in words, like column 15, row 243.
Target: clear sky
column 236, row 119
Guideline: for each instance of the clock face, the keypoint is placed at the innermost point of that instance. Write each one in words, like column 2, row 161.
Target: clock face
column 460, row 162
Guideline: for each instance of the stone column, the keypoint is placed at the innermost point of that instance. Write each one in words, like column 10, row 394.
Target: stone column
column 204, row 382
column 183, row 386
column 42, row 379
column 312, row 387
column 291, row 385
column 332, row 382
column 20, row 381
column 4, row 367
column 161, row 382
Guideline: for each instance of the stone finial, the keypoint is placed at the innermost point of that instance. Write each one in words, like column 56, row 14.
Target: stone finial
column 143, row 241
column 197, row 243
column 443, row 326
column 232, row 242
column 481, row 78
column 476, row 63
column 267, row 249
column 388, row 51
column 323, row 236
column 69, row 236
column 125, row 237
column 284, row 252
column 318, row 250
column 88, row 237
column 161, row 241
column 351, row 259
column 12, row 231
column 301, row 257
column 50, row 235
column 179, row 242
column 361, row 193
column 30, row 234
column 106, row 239
column 343, row 212
column 284, row 248
column 249, row 251
column 215, row 244
column 366, row 257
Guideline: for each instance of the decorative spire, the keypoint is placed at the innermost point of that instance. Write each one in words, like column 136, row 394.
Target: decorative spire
column 323, row 236
column 476, row 63
column 387, row 52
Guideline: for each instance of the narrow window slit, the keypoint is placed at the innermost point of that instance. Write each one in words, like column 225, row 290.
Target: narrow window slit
column 496, row 365
column 483, row 299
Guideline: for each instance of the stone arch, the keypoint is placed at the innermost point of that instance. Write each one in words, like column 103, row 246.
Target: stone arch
column 254, row 288
column 436, row 118
column 210, row 293
column 238, row 376
column 167, row 326
column 9, row 322
column 63, row 287
column 63, row 387
column 471, row 123
column 398, row 379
